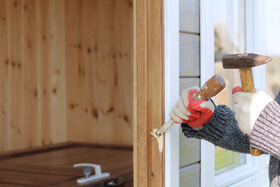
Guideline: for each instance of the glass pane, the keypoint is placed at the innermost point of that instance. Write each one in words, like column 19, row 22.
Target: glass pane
column 229, row 38
column 272, row 41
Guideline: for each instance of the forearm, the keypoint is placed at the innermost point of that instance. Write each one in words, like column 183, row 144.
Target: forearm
column 266, row 132
column 222, row 130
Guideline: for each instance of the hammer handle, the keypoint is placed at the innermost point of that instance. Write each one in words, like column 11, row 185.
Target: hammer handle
column 247, row 80
column 211, row 88
column 247, row 83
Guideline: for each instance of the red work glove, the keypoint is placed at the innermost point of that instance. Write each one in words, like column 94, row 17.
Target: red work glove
column 192, row 112
column 236, row 89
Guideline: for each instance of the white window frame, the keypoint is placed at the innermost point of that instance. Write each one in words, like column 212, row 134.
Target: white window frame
column 255, row 170
column 171, row 53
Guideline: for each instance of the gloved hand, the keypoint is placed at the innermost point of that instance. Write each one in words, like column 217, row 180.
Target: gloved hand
column 247, row 107
column 192, row 112
column 222, row 130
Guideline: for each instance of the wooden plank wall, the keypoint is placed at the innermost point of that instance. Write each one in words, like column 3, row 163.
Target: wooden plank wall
column 65, row 72
column 189, row 76
column 99, row 69
column 149, row 108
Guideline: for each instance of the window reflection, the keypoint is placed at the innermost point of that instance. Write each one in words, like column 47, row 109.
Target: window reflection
column 229, row 38
column 272, row 41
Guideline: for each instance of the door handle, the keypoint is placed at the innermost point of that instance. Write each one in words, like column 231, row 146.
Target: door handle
column 87, row 172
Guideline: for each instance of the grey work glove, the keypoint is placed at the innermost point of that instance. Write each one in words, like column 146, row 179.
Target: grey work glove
column 222, row 130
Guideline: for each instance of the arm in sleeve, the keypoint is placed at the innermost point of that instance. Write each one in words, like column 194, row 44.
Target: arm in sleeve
column 222, row 130
column 265, row 135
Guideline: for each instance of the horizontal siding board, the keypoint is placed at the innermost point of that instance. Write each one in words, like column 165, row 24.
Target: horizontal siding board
column 188, row 82
column 189, row 55
column 189, row 16
column 190, row 176
column 189, row 148
column 189, row 151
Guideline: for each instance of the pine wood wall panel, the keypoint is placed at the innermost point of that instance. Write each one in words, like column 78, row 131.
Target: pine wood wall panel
column 149, row 61
column 73, row 69
column 52, row 81
column 33, row 97
column 15, row 75
column 190, row 176
column 99, row 60
column 31, row 50
column 3, row 76
column 189, row 16
column 66, row 72
column 189, row 55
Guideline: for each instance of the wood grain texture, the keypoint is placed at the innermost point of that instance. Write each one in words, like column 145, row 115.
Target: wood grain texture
column 210, row 88
column 149, row 59
column 190, row 176
column 99, row 67
column 4, row 32
column 189, row 16
column 66, row 72
column 247, row 80
column 189, row 55
column 53, row 165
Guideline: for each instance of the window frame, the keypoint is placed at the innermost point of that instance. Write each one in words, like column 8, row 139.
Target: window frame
column 171, row 59
column 255, row 169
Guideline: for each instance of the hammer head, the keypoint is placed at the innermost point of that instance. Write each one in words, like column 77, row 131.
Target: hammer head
column 245, row 60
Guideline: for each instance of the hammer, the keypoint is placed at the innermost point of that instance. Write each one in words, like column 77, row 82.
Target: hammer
column 244, row 62
column 211, row 88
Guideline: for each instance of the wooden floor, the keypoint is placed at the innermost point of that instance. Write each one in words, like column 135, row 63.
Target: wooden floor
column 53, row 165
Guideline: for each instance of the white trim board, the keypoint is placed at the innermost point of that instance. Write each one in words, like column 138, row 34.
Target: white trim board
column 207, row 60
column 171, row 33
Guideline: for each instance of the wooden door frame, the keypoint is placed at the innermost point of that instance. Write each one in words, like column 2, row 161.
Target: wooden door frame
column 149, row 105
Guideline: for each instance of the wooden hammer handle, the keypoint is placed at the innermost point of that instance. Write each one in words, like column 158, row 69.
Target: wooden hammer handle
column 247, row 83
column 211, row 88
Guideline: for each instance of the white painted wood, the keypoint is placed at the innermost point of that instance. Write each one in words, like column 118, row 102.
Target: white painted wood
column 189, row 55
column 245, row 174
column 207, row 70
column 189, row 151
column 188, row 82
column 249, row 13
column 257, row 180
column 190, row 176
column 254, row 172
column 255, row 43
column 171, row 27
column 234, row 175
column 189, row 16
column 259, row 43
